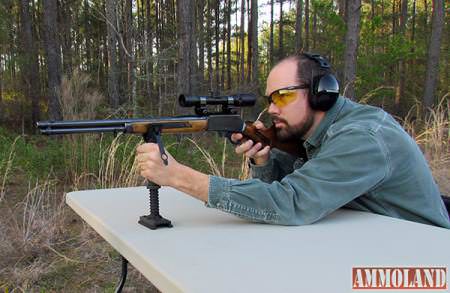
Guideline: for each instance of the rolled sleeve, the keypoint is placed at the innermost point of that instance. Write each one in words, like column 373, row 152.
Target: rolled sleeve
column 219, row 191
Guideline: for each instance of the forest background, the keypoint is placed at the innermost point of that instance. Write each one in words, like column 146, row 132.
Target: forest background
column 95, row 59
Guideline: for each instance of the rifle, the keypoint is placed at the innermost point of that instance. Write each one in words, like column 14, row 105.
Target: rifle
column 226, row 121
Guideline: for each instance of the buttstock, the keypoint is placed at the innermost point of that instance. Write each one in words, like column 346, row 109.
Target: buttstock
column 268, row 137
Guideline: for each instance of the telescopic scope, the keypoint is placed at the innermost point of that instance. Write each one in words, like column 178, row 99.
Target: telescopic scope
column 238, row 100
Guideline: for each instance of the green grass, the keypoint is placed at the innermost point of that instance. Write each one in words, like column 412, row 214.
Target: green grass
column 35, row 156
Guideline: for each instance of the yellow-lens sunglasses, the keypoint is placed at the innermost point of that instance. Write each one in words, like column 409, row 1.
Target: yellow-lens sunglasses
column 282, row 97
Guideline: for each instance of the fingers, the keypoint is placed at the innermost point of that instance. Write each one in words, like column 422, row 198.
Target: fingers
column 236, row 137
column 146, row 147
column 264, row 152
column 147, row 151
column 259, row 125
column 148, row 156
column 258, row 151
column 244, row 147
column 252, row 151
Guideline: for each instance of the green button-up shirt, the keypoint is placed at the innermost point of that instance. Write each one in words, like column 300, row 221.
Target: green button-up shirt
column 358, row 157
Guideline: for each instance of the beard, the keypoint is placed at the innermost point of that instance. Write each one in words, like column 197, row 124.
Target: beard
column 294, row 132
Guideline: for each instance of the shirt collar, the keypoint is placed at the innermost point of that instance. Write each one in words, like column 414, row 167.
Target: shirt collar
column 330, row 116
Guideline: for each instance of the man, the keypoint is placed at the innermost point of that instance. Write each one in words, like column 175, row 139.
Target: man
column 358, row 157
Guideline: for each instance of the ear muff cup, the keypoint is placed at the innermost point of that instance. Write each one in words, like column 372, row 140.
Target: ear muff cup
column 324, row 92
column 324, row 89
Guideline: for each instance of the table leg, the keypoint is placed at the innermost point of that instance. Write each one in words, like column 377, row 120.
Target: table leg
column 123, row 277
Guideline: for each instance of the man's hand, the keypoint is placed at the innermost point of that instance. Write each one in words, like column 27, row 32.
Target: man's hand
column 249, row 149
column 176, row 175
column 151, row 166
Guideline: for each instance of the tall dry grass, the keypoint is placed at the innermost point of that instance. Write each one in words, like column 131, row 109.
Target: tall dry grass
column 432, row 133
column 29, row 230
column 221, row 168
column 5, row 168
column 79, row 101
column 116, row 166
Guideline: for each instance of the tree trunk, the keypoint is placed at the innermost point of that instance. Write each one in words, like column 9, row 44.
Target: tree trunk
column 217, row 41
column 201, row 41
column 209, row 44
column 342, row 9
column 52, row 48
column 1, row 91
column 237, row 46
column 129, row 56
column 307, row 25
column 394, row 17
column 351, row 46
column 66, row 37
column 280, row 34
column 229, row 80
column 400, row 92
column 87, row 37
column 413, row 27
column 158, row 27
column 255, row 59
column 149, row 51
column 314, row 27
column 249, row 42
column 298, row 26
column 224, row 43
column 271, row 34
column 113, row 70
column 122, row 58
column 372, row 24
column 31, row 62
column 187, row 53
column 242, row 44
column 431, row 78
column 425, row 19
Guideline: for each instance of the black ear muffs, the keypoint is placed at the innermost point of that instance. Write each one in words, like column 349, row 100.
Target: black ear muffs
column 324, row 89
column 324, row 92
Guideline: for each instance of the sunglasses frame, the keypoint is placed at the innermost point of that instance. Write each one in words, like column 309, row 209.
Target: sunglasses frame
column 294, row 87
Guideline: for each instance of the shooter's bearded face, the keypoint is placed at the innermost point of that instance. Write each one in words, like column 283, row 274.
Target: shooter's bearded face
column 294, row 131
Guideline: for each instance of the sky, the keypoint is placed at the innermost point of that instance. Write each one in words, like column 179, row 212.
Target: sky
column 264, row 13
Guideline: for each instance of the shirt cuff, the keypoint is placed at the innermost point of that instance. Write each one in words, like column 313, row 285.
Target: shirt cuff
column 262, row 171
column 219, row 192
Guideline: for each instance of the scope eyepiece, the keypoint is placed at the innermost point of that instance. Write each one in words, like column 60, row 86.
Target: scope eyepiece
column 238, row 100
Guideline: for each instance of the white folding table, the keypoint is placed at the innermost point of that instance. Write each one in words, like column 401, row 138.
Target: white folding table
column 210, row 251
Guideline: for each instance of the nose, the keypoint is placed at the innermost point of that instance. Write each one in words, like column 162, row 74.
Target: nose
column 273, row 109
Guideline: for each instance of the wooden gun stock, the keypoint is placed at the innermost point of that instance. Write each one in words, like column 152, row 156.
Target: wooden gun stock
column 268, row 137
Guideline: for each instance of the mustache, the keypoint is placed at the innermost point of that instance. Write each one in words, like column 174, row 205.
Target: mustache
column 278, row 119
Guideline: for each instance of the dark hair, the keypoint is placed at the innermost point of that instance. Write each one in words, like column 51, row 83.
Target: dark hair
column 307, row 69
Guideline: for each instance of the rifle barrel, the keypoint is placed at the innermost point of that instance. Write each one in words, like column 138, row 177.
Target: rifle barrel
column 82, row 130
column 86, row 123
